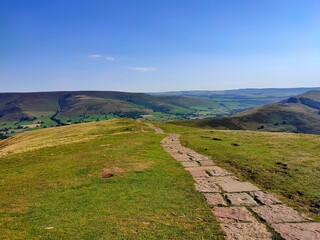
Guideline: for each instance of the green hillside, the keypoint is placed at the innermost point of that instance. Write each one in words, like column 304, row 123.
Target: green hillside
column 24, row 111
column 79, row 182
column 284, row 164
column 300, row 114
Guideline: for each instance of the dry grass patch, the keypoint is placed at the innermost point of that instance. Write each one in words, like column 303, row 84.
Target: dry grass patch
column 50, row 137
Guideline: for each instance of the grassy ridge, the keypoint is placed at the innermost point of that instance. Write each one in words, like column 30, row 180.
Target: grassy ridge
column 53, row 188
column 282, row 163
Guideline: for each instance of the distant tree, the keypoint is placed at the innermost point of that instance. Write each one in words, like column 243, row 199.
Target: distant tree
column 2, row 136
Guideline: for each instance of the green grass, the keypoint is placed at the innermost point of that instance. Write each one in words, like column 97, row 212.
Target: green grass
column 56, row 182
column 285, row 164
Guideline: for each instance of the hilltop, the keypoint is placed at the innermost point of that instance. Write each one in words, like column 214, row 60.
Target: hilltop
column 299, row 114
column 79, row 182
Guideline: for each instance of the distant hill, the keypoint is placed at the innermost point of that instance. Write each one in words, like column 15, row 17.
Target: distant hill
column 24, row 111
column 248, row 95
column 300, row 114
column 14, row 106
column 46, row 109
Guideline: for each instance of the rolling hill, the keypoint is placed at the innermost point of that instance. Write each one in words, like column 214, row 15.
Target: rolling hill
column 300, row 114
column 249, row 96
column 25, row 111
column 45, row 109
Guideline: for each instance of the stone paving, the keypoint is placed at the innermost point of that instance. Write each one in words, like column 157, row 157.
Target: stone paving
column 242, row 209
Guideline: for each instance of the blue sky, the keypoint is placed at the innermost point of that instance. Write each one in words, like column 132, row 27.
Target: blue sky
column 144, row 45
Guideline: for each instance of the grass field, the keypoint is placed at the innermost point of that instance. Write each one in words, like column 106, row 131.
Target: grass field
column 288, row 165
column 52, row 187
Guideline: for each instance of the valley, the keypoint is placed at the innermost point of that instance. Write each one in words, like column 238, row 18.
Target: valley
column 26, row 111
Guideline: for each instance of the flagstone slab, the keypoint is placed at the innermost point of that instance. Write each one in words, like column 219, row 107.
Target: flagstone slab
column 205, row 162
column 278, row 214
column 215, row 199
column 204, row 184
column 232, row 214
column 246, row 231
column 182, row 157
column 265, row 198
column 205, row 168
column 189, row 164
column 218, row 172
column 198, row 173
column 232, row 184
column 241, row 199
column 290, row 231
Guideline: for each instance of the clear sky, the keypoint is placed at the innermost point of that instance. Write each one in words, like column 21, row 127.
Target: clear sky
column 158, row 45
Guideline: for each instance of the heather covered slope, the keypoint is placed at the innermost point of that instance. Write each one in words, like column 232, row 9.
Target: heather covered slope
column 300, row 114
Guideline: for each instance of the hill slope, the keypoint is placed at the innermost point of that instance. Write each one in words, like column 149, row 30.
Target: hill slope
column 285, row 164
column 249, row 96
column 79, row 182
column 44, row 109
column 300, row 114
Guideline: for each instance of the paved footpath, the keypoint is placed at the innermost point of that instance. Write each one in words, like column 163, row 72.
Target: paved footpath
column 242, row 209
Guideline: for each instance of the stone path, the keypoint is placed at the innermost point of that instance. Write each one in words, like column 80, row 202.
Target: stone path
column 156, row 129
column 242, row 209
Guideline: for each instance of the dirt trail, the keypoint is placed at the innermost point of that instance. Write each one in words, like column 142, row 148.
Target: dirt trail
column 242, row 209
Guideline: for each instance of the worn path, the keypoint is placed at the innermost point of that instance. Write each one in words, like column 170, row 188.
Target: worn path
column 242, row 209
